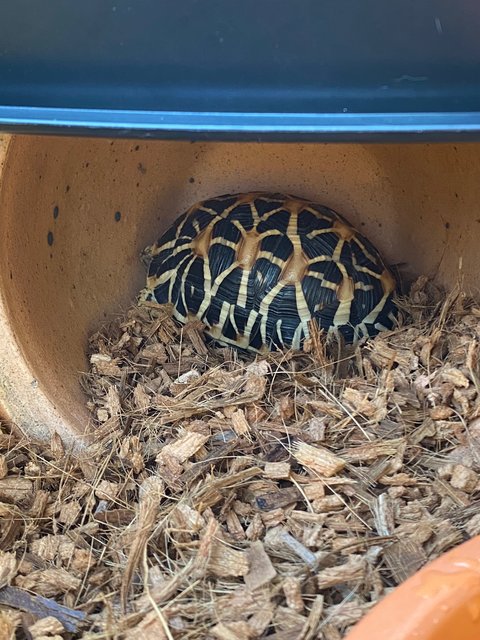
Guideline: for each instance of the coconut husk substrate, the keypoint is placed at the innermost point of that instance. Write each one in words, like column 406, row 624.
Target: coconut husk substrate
column 233, row 497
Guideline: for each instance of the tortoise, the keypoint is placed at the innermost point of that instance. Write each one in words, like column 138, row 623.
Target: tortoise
column 256, row 268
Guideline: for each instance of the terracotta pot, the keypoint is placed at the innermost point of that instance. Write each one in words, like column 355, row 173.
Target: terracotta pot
column 75, row 214
column 440, row 602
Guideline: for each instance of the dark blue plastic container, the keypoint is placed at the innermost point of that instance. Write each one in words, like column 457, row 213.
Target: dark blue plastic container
column 249, row 69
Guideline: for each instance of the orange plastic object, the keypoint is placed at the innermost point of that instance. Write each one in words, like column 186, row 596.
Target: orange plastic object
column 439, row 602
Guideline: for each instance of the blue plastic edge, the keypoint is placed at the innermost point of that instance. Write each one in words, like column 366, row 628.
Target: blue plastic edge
column 129, row 123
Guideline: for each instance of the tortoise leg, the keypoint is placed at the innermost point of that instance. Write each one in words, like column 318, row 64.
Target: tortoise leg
column 146, row 257
column 345, row 353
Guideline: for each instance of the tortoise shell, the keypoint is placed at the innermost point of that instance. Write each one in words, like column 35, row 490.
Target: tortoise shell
column 256, row 268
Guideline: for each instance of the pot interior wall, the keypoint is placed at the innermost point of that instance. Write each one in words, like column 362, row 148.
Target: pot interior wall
column 75, row 214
